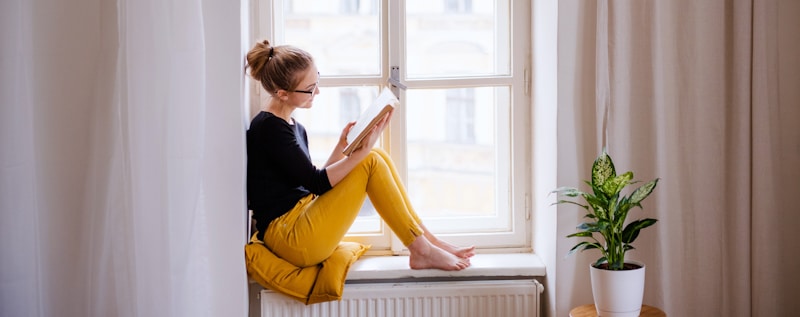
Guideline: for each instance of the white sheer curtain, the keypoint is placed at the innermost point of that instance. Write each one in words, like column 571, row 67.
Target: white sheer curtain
column 122, row 158
column 704, row 95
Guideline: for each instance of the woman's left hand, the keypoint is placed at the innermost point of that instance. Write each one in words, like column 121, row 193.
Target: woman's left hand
column 373, row 136
column 339, row 165
column 337, row 155
column 343, row 138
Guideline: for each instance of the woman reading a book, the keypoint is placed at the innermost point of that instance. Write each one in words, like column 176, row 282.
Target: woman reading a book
column 302, row 212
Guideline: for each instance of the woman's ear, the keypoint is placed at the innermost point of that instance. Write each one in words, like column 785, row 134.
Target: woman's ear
column 282, row 94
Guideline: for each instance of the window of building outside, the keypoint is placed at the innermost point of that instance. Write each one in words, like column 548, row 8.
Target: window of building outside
column 460, row 119
column 461, row 135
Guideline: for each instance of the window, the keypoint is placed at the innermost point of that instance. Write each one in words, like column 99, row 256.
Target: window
column 461, row 137
column 458, row 6
column 460, row 116
column 350, row 106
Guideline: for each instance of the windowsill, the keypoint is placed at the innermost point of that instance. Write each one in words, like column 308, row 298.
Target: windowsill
column 394, row 269
column 373, row 269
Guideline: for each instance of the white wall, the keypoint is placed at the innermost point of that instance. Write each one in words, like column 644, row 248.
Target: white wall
column 545, row 105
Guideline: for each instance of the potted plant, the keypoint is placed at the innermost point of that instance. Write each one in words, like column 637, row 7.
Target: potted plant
column 617, row 285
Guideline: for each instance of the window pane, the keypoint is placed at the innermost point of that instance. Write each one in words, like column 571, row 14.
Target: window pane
column 333, row 108
column 453, row 150
column 343, row 36
column 457, row 37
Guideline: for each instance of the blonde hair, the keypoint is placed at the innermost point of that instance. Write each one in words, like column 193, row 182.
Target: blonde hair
column 277, row 67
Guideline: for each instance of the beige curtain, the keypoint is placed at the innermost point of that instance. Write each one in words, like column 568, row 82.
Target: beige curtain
column 706, row 96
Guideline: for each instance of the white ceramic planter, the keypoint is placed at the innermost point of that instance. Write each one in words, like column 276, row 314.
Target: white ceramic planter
column 618, row 293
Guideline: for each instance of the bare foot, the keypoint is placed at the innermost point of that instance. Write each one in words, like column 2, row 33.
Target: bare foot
column 425, row 255
column 461, row 252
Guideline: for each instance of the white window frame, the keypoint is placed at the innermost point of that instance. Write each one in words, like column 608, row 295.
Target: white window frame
column 518, row 134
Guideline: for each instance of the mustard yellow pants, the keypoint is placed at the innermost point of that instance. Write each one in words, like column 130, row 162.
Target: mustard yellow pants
column 309, row 233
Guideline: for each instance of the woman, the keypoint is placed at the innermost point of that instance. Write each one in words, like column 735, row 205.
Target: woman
column 302, row 212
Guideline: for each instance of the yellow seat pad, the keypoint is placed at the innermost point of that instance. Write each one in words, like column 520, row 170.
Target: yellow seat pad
column 314, row 284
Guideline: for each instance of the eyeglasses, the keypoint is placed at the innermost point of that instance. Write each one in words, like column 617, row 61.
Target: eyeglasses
column 313, row 88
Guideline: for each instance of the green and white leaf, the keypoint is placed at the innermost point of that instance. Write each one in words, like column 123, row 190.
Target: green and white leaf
column 642, row 192
column 602, row 169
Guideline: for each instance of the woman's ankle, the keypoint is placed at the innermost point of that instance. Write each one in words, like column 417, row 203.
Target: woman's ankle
column 425, row 255
column 420, row 246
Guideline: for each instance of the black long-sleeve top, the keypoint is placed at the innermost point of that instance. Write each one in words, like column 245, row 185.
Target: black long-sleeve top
column 279, row 168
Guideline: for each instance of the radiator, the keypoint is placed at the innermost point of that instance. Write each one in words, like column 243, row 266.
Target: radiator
column 498, row 298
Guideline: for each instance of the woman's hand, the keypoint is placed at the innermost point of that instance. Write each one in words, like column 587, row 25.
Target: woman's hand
column 337, row 155
column 369, row 141
column 340, row 165
column 343, row 137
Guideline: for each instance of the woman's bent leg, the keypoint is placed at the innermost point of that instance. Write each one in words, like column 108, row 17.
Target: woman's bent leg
column 399, row 183
column 463, row 252
column 310, row 232
column 426, row 250
column 389, row 198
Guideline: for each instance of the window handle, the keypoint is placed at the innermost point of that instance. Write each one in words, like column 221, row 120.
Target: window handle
column 394, row 80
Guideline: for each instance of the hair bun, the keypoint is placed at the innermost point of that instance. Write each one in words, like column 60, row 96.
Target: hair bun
column 264, row 46
column 258, row 57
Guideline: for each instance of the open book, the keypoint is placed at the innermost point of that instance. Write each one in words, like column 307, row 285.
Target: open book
column 385, row 102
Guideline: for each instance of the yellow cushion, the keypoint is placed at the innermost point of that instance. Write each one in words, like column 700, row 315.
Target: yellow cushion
column 313, row 284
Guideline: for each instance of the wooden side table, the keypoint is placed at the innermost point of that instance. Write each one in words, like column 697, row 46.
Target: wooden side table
column 591, row 311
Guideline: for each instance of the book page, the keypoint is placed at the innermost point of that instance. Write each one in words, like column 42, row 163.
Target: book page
column 369, row 118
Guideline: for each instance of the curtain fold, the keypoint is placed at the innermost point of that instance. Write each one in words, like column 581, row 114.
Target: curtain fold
column 776, row 147
column 698, row 94
column 122, row 160
column 18, row 283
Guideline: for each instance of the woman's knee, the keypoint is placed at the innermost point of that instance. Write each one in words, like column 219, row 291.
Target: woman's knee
column 375, row 156
column 377, row 160
column 379, row 151
column 380, row 154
